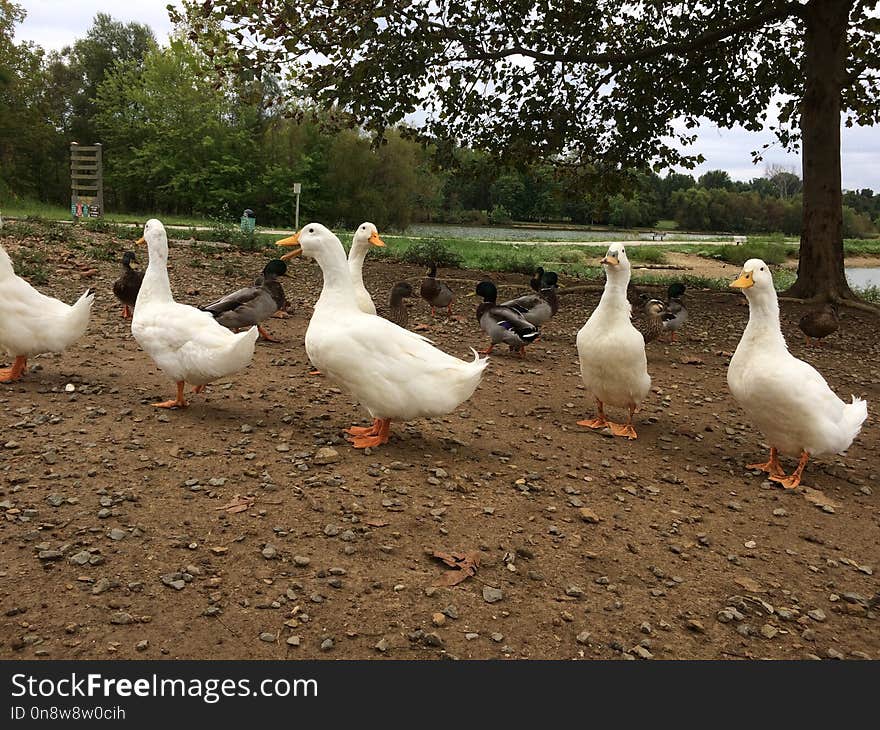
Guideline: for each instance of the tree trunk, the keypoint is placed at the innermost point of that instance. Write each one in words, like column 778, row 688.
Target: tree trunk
column 820, row 268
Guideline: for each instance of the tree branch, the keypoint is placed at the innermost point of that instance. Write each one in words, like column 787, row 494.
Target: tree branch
column 676, row 48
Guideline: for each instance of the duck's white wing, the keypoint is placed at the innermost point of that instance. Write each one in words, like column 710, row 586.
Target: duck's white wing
column 188, row 344
column 392, row 371
column 16, row 292
column 792, row 403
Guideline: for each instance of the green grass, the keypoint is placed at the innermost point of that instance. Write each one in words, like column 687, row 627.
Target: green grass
column 646, row 254
column 30, row 265
column 771, row 253
column 53, row 212
column 868, row 293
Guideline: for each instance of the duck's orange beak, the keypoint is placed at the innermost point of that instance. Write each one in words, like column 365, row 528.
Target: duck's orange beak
column 745, row 280
column 291, row 241
column 375, row 240
column 141, row 240
column 610, row 260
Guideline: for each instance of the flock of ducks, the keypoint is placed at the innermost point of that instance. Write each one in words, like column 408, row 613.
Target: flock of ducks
column 399, row 375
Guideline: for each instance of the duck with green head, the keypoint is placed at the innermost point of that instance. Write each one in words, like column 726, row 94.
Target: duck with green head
column 502, row 324
column 538, row 308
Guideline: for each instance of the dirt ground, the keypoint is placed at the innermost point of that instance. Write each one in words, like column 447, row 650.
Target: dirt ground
column 116, row 543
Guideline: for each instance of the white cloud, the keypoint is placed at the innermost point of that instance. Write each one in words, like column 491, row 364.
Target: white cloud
column 54, row 24
column 730, row 149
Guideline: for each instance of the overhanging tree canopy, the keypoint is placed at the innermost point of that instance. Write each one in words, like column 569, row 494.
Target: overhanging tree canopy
column 591, row 81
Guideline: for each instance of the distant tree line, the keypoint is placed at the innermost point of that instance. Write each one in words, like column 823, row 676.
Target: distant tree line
column 177, row 140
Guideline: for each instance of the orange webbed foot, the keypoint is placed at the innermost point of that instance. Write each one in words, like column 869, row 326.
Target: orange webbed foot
column 594, row 423
column 179, row 402
column 11, row 374
column 383, row 429
column 266, row 336
column 773, row 469
column 170, row 404
column 362, row 442
column 791, row 482
column 365, row 430
column 624, row 429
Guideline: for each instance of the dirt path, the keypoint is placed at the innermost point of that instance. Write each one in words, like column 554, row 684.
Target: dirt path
column 115, row 542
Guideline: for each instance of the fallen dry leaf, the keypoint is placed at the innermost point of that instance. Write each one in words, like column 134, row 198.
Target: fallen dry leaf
column 238, row 504
column 465, row 565
column 748, row 584
column 374, row 522
column 816, row 497
column 690, row 360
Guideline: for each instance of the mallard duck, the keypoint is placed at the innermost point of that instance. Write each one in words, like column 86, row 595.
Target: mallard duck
column 364, row 237
column 651, row 324
column 253, row 304
column 538, row 308
column 502, row 323
column 32, row 323
column 612, row 351
column 676, row 312
column 127, row 286
column 394, row 373
column 787, row 399
column 397, row 312
column 185, row 342
column 820, row 322
column 435, row 292
column 537, row 280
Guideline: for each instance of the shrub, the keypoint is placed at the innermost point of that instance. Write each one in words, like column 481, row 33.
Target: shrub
column 499, row 215
column 431, row 251
column 474, row 217
column 857, row 225
column 771, row 253
column 646, row 254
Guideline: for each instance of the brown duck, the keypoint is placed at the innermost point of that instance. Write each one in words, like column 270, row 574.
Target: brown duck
column 820, row 322
column 396, row 306
column 436, row 293
column 651, row 325
column 127, row 286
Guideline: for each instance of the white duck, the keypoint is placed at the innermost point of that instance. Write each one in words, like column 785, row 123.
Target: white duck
column 611, row 351
column 185, row 342
column 394, row 373
column 32, row 323
column 787, row 399
column 364, row 237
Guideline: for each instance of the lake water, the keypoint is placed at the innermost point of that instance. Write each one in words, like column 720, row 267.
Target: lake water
column 863, row 277
column 542, row 234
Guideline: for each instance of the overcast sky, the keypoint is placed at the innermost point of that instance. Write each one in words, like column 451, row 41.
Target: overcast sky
column 56, row 23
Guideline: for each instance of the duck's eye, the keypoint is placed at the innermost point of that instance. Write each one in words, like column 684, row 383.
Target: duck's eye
column 762, row 268
column 311, row 230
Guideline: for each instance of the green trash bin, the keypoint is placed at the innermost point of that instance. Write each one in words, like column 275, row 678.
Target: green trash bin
column 248, row 224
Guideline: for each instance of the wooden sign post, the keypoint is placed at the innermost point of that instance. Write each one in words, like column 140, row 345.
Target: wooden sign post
column 86, row 181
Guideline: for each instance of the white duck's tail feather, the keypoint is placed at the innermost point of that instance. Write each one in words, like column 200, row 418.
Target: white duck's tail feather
column 78, row 316
column 244, row 347
column 470, row 373
column 854, row 415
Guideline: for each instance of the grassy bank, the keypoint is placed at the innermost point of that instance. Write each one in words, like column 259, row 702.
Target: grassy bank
column 571, row 261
